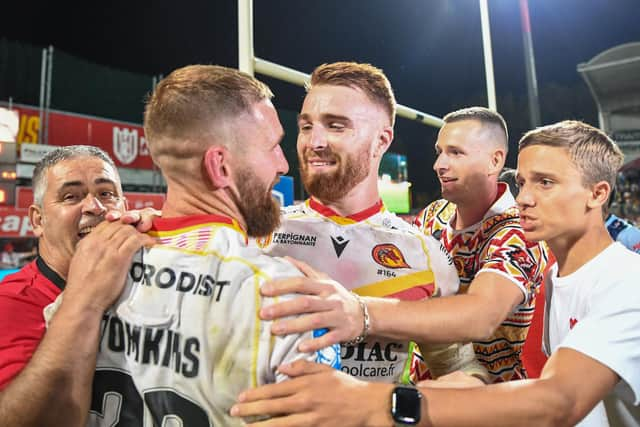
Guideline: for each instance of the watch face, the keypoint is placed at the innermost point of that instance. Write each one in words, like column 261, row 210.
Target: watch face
column 405, row 405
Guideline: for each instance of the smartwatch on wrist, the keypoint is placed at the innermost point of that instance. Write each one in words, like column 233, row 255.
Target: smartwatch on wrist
column 406, row 404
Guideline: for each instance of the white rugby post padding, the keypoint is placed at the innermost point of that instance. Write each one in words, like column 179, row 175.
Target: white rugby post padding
column 488, row 55
column 281, row 72
column 245, row 36
column 248, row 63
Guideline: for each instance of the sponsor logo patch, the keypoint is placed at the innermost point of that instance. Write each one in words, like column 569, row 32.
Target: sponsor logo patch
column 294, row 239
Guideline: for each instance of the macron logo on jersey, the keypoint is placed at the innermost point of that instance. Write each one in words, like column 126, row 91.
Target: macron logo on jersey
column 339, row 243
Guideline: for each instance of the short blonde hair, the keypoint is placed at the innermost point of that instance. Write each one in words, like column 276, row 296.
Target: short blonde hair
column 192, row 102
column 596, row 156
column 369, row 79
column 486, row 117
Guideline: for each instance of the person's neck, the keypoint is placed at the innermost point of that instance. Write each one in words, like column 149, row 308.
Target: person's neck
column 572, row 252
column 471, row 211
column 55, row 260
column 181, row 201
column 361, row 197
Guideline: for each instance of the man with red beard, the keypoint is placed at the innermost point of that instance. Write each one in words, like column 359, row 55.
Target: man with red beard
column 184, row 338
column 499, row 269
column 45, row 377
column 345, row 127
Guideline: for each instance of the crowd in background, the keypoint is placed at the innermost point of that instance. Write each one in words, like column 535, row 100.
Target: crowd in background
column 17, row 252
column 627, row 199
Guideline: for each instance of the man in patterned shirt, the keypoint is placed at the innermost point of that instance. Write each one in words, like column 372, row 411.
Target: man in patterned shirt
column 478, row 222
column 479, row 225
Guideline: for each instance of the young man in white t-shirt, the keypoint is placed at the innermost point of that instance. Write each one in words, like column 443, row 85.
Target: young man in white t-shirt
column 592, row 317
column 565, row 173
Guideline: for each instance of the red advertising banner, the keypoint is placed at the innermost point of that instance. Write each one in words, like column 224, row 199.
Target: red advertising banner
column 125, row 142
column 15, row 223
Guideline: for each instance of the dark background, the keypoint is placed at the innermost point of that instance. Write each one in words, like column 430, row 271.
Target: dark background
column 431, row 50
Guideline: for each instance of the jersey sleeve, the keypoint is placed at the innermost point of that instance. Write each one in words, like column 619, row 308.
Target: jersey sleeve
column 510, row 255
column 21, row 330
column 284, row 348
column 610, row 333
column 443, row 359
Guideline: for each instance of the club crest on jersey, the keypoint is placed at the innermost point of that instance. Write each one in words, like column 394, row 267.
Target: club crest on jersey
column 388, row 255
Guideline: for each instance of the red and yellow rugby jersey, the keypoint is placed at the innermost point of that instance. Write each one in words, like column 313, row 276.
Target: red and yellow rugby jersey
column 372, row 253
column 185, row 338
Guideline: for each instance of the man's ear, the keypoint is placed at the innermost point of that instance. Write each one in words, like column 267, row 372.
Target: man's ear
column 37, row 220
column 497, row 161
column 216, row 163
column 599, row 195
column 384, row 141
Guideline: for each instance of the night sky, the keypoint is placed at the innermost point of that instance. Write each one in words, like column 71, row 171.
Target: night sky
column 431, row 50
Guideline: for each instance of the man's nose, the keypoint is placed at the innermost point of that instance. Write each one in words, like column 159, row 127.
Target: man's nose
column 524, row 197
column 283, row 165
column 318, row 139
column 440, row 163
column 92, row 204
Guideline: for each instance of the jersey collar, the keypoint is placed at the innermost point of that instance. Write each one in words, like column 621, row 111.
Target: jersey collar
column 504, row 200
column 164, row 227
column 48, row 272
column 326, row 211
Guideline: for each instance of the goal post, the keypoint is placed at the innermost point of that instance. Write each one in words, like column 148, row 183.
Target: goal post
column 249, row 63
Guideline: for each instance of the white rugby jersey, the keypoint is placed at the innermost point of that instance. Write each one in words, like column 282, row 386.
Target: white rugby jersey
column 372, row 253
column 184, row 339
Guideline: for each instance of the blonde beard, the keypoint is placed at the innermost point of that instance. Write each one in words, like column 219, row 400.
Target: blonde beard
column 260, row 211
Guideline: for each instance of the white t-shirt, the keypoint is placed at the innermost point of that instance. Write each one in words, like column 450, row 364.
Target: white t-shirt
column 185, row 339
column 596, row 311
